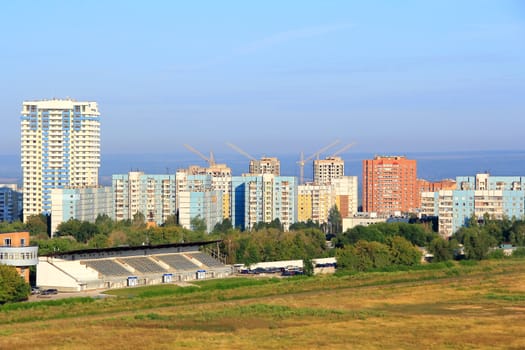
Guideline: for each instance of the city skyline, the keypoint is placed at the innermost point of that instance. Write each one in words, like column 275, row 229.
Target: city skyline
column 404, row 77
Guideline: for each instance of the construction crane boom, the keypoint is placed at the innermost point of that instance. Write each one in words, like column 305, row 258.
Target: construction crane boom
column 210, row 159
column 303, row 161
column 241, row 151
column 341, row 150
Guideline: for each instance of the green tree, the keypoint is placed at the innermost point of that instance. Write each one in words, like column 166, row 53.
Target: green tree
column 335, row 221
column 12, row 286
column 99, row 240
column 477, row 243
column 104, row 223
column 171, row 220
column 198, row 224
column 14, row 226
column 69, row 228
column 223, row 227
column 403, row 252
column 37, row 225
column 441, row 249
column 139, row 220
column 308, row 267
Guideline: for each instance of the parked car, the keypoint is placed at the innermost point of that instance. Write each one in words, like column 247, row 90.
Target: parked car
column 49, row 291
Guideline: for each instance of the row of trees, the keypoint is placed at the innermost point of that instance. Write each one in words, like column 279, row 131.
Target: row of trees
column 381, row 245
column 369, row 255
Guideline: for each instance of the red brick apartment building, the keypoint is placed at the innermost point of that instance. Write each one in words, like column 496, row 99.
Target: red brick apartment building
column 390, row 185
column 16, row 251
column 428, row 186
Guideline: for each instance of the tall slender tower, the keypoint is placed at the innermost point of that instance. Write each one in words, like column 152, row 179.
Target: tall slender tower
column 60, row 149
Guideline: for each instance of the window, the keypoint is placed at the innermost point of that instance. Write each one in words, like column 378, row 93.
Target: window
column 7, row 242
column 22, row 242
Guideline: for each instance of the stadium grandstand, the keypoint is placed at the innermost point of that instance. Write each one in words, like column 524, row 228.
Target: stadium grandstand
column 118, row 267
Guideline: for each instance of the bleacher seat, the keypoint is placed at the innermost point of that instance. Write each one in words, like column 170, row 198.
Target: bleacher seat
column 143, row 265
column 206, row 259
column 177, row 261
column 107, row 267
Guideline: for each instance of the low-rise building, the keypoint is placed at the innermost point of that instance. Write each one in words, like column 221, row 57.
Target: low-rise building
column 16, row 251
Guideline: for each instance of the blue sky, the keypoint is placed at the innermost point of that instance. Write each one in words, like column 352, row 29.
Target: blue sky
column 273, row 76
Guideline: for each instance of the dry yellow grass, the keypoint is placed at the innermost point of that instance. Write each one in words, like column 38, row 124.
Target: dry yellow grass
column 478, row 307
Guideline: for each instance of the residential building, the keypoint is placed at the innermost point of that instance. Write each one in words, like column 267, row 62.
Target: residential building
column 362, row 219
column 263, row 198
column 16, row 251
column 315, row 200
column 196, row 197
column 83, row 204
column 60, row 147
column 390, row 185
column 151, row 195
column 325, row 170
column 221, row 176
column 477, row 196
column 265, row 165
column 345, row 191
column 10, row 203
column 433, row 186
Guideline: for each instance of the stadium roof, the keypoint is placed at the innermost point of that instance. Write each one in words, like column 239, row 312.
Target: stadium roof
column 128, row 248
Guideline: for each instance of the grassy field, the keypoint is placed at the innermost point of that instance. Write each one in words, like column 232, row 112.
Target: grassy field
column 455, row 306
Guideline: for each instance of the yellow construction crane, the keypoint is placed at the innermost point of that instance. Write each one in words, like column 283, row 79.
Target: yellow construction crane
column 241, row 151
column 303, row 161
column 210, row 159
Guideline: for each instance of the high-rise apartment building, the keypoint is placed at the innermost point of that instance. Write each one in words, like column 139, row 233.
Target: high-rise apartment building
column 325, row 170
column 221, row 177
column 265, row 165
column 151, row 195
column 314, row 200
column 263, row 198
column 60, row 145
column 198, row 197
column 390, row 185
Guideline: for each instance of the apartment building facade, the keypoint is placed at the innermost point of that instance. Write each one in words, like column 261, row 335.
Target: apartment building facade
column 326, row 170
column 83, row 204
column 151, row 195
column 477, row 196
column 10, row 203
column 15, row 250
column 60, row 148
column 198, row 196
column 390, row 185
column 265, row 165
column 315, row 200
column 263, row 198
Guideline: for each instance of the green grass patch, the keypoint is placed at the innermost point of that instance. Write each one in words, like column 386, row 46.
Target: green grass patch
column 233, row 283
column 46, row 303
column 198, row 286
column 514, row 297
